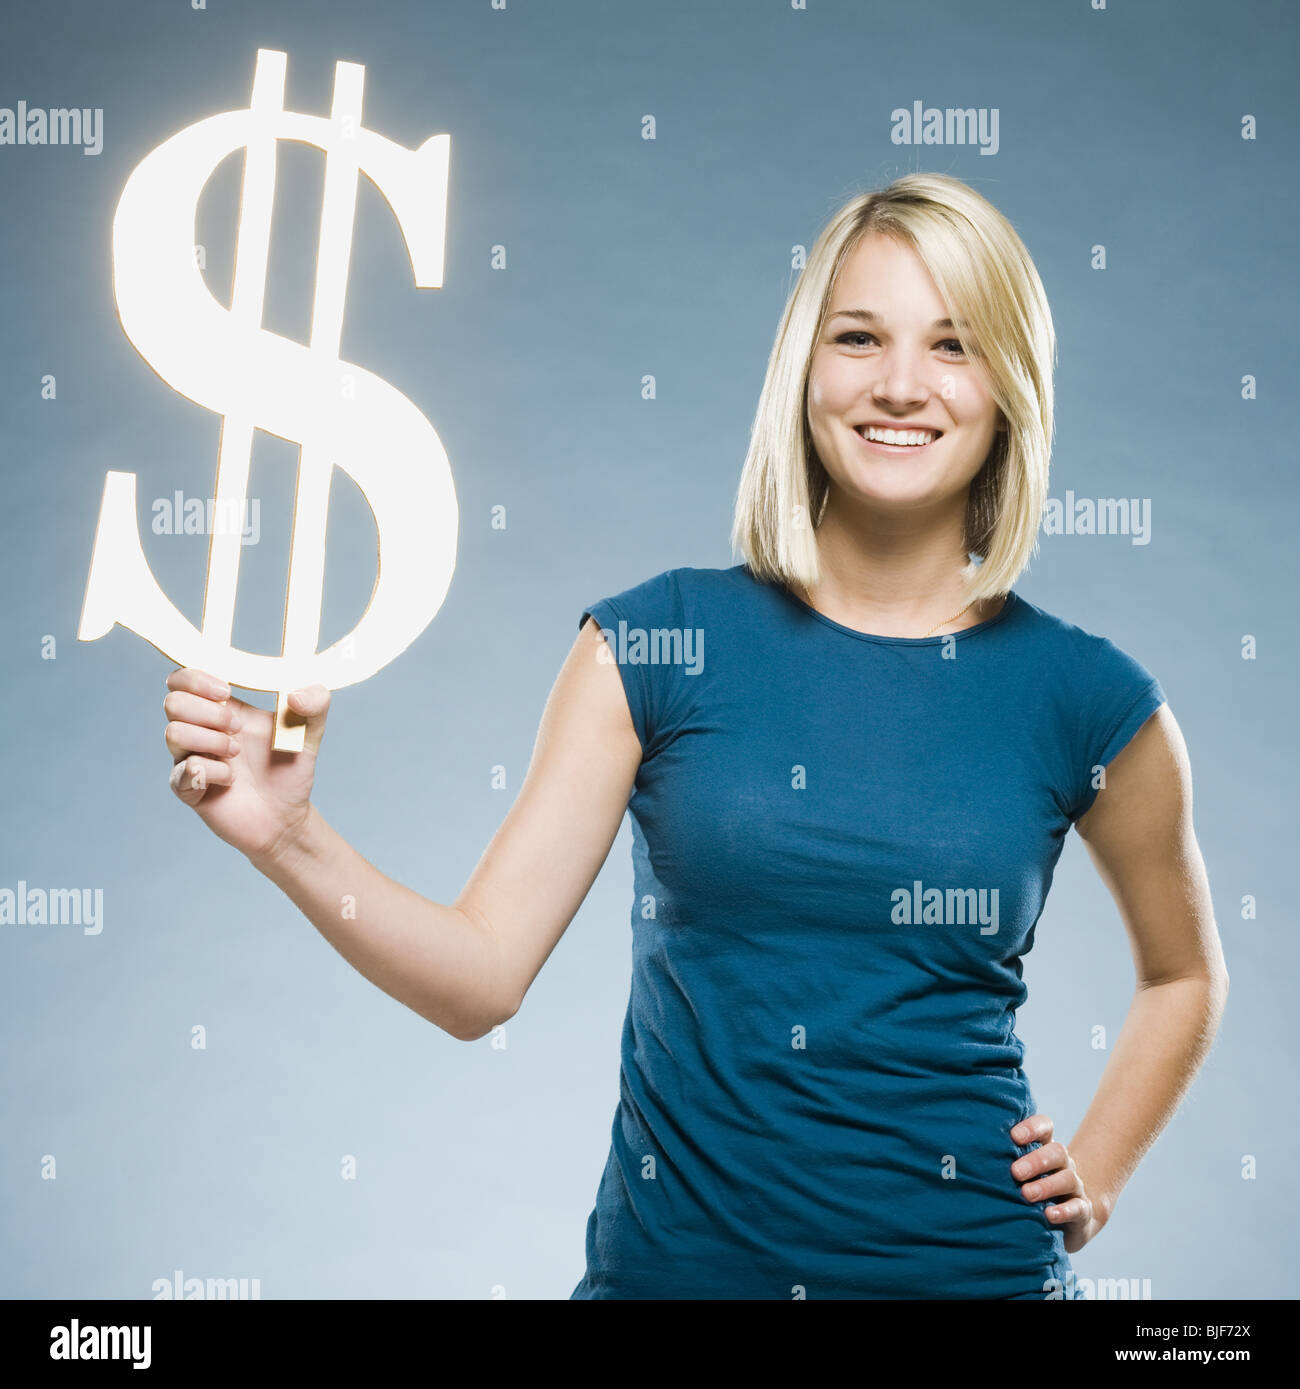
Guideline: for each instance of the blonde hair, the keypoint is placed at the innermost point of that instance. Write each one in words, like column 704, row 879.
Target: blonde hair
column 992, row 290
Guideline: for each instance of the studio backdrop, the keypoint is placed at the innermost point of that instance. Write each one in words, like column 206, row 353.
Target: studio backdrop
column 196, row 1087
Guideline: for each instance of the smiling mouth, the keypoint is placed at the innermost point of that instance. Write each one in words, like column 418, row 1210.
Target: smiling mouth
column 898, row 438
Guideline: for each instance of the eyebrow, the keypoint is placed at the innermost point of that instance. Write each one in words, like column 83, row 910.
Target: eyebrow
column 867, row 316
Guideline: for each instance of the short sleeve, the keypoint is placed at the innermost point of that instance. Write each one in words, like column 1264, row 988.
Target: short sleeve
column 1119, row 695
column 647, row 636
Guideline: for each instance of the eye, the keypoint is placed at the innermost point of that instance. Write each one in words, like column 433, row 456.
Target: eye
column 951, row 347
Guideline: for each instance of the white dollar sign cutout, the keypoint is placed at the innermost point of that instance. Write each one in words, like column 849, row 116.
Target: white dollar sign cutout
column 339, row 413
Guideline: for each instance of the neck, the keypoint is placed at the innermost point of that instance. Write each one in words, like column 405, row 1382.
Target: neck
column 895, row 576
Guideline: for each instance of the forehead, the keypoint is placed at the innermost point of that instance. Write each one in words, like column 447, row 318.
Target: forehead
column 883, row 275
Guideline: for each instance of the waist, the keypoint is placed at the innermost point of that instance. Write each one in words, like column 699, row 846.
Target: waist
column 916, row 1203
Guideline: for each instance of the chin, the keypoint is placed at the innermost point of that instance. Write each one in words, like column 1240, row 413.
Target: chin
column 904, row 492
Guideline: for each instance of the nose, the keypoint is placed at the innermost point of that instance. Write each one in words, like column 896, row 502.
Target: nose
column 900, row 382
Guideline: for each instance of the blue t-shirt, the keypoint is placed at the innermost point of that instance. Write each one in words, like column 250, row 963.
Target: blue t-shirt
column 842, row 844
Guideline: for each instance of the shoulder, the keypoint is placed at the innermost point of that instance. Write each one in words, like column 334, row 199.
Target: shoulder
column 655, row 630
column 1058, row 633
column 692, row 581
column 1102, row 695
column 1086, row 658
column 675, row 596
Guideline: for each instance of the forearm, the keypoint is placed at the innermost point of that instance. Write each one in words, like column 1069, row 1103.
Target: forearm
column 1168, row 1032
column 432, row 958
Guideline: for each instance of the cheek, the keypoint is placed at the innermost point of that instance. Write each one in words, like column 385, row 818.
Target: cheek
column 818, row 393
column 970, row 398
column 972, row 404
column 831, row 391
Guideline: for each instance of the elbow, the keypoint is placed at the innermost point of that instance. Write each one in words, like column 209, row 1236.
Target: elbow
column 1218, row 979
column 1216, row 990
column 1212, row 979
column 494, row 998
column 1219, row 997
column 483, row 1027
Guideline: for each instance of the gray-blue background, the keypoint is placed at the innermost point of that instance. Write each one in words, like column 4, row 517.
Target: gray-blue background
column 477, row 1167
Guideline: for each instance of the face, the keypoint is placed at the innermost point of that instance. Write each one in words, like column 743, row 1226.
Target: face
column 887, row 360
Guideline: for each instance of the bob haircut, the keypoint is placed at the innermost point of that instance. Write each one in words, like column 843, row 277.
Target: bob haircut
column 993, row 293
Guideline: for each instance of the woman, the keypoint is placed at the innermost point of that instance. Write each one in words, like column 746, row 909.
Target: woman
column 847, row 805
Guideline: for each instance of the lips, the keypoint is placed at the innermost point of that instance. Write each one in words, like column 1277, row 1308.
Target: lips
column 897, row 438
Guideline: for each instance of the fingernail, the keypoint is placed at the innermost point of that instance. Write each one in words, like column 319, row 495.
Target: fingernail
column 236, row 723
column 233, row 744
column 222, row 692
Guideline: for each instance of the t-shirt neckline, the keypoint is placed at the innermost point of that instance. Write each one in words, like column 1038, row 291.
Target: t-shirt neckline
column 1012, row 599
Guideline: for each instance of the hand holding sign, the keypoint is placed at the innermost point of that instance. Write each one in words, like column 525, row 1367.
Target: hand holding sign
column 226, row 769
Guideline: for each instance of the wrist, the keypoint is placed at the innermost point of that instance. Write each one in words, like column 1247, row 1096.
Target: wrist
column 1103, row 1205
column 1100, row 1193
column 295, row 844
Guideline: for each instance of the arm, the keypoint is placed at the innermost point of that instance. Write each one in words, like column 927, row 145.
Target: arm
column 464, row 967
column 1139, row 834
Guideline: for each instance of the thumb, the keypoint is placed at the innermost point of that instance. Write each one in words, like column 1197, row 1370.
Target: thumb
column 312, row 704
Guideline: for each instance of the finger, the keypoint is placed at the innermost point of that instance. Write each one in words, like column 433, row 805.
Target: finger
column 185, row 738
column 192, row 776
column 1055, row 1184
column 313, row 704
column 1076, row 1211
column 198, row 682
column 181, row 707
column 1037, row 1128
column 1045, row 1159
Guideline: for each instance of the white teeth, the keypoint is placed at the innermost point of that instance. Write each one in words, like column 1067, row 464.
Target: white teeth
column 911, row 437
